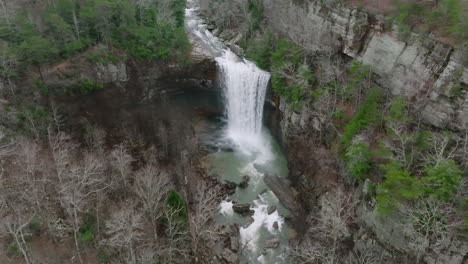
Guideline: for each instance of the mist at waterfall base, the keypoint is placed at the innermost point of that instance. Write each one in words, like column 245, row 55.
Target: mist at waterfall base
column 243, row 146
column 244, row 88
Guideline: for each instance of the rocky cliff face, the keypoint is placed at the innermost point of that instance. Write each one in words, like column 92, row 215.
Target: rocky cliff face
column 432, row 75
column 424, row 70
column 143, row 80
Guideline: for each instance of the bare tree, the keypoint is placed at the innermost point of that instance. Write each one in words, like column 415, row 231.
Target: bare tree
column 151, row 186
column 6, row 150
column 121, row 161
column 28, row 158
column 309, row 251
column 174, row 250
column 35, row 125
column 133, row 138
column 245, row 16
column 33, row 180
column 368, row 253
column 336, row 214
column 15, row 225
column 76, row 23
column 462, row 152
column 95, row 139
column 62, row 150
column 14, row 218
column 435, row 224
column 5, row 12
column 56, row 118
column 402, row 146
column 8, row 66
column 124, row 229
column 149, row 255
column 202, row 226
column 322, row 244
column 81, row 181
column 441, row 148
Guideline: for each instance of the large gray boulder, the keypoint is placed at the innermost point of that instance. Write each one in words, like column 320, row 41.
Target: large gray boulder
column 245, row 182
column 280, row 187
column 229, row 256
column 234, row 241
column 243, row 209
column 112, row 72
column 272, row 243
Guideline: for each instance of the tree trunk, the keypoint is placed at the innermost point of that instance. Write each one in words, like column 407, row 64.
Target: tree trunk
column 132, row 253
column 155, row 228
column 75, row 23
column 40, row 72
column 5, row 12
column 21, row 245
column 11, row 86
column 75, row 234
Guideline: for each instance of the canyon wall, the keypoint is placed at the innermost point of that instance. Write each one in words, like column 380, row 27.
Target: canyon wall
column 139, row 79
column 420, row 68
column 432, row 75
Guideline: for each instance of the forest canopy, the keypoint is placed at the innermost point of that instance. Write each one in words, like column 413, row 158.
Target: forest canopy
column 58, row 30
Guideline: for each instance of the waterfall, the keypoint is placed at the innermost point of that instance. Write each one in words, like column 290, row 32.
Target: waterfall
column 253, row 152
column 244, row 86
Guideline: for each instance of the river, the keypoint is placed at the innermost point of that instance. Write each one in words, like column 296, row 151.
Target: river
column 245, row 147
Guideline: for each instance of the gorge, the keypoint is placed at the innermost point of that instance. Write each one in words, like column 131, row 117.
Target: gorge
column 250, row 146
column 243, row 131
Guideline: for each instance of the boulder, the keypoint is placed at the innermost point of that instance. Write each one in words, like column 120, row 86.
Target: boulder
column 229, row 256
column 245, row 182
column 235, row 39
column 227, row 34
column 234, row 241
column 227, row 149
column 280, row 187
column 272, row 243
column 243, row 209
column 112, row 72
column 236, row 49
column 437, row 114
column 275, row 225
column 271, row 209
column 230, row 185
column 250, row 220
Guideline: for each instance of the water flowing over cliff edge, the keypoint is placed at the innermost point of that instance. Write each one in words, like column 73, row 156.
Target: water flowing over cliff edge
column 246, row 151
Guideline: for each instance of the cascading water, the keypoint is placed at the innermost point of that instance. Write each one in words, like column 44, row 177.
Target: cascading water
column 244, row 87
column 254, row 154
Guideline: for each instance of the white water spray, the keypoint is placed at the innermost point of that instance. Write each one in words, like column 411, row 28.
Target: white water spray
column 244, row 87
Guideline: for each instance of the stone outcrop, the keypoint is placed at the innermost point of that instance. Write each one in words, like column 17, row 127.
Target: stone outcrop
column 245, row 182
column 272, row 243
column 284, row 193
column 145, row 81
column 229, row 257
column 422, row 69
column 111, row 72
column 271, row 209
column 392, row 232
column 243, row 209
